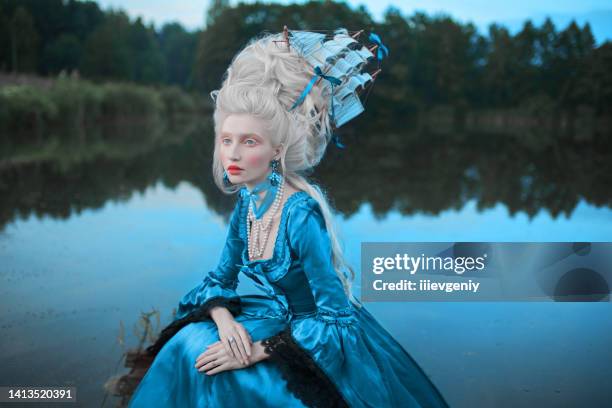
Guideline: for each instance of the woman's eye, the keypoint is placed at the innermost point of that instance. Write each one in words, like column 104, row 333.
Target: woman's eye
column 250, row 140
column 225, row 140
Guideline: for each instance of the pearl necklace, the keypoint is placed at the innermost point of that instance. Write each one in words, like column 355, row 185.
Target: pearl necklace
column 261, row 227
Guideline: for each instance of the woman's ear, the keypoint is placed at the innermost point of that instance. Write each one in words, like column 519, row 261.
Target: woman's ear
column 279, row 149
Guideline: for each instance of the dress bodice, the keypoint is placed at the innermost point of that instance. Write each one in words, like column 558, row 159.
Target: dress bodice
column 328, row 351
column 301, row 241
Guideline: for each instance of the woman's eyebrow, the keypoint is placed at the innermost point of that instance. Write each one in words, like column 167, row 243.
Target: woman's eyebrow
column 240, row 134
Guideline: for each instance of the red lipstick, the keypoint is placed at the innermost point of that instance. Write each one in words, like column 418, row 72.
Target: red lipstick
column 233, row 169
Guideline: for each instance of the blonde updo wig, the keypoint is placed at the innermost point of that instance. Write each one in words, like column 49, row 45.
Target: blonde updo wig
column 264, row 79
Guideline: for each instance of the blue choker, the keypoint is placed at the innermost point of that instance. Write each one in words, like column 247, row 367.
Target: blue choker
column 268, row 199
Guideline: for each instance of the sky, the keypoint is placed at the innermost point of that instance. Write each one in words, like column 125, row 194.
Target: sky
column 190, row 13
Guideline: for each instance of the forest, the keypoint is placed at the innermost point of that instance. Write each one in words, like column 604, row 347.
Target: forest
column 433, row 59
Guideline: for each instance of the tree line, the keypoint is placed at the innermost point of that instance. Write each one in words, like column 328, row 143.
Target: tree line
column 433, row 59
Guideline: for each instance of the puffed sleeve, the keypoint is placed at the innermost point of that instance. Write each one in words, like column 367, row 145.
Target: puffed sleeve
column 218, row 288
column 321, row 354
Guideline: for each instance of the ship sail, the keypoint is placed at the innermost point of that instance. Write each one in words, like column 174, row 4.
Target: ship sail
column 341, row 57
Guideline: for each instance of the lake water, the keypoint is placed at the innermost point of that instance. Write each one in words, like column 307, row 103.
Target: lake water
column 90, row 242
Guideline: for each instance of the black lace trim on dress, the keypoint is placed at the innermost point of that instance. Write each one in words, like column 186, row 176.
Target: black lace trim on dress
column 198, row 315
column 305, row 379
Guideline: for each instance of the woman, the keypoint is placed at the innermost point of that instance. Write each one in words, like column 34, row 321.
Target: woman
column 306, row 341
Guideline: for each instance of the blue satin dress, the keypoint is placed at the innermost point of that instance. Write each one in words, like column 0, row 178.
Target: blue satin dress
column 324, row 351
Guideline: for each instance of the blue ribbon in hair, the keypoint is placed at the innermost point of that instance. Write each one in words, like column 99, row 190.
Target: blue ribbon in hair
column 333, row 81
column 381, row 47
column 337, row 142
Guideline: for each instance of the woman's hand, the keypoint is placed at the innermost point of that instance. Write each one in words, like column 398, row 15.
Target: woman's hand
column 235, row 338
column 216, row 359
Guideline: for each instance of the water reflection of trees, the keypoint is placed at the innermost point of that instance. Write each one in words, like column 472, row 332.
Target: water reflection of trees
column 421, row 168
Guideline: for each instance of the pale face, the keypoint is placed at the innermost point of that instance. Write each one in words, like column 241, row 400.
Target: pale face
column 245, row 150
